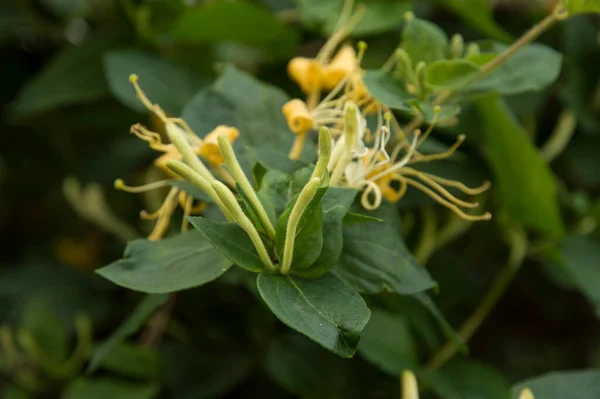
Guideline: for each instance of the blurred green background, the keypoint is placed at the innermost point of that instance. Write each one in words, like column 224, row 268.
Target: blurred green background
column 66, row 107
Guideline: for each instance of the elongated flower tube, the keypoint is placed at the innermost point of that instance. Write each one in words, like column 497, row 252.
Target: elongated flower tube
column 243, row 221
column 240, row 178
column 410, row 388
column 324, row 154
column 351, row 144
column 526, row 394
column 304, row 198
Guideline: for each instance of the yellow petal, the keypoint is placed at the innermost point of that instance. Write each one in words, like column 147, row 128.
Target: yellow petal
column 298, row 117
column 340, row 66
column 306, row 72
column 210, row 147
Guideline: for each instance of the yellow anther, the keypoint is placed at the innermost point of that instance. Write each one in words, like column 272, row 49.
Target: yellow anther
column 306, row 72
column 133, row 78
column 409, row 16
column 119, row 184
column 341, row 65
column 210, row 146
column 362, row 45
column 298, row 117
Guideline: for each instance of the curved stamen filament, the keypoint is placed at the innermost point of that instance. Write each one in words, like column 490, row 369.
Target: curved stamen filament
column 371, row 188
column 443, row 155
column 154, row 108
column 445, row 193
column 120, row 185
column 403, row 162
column 164, row 218
column 453, row 183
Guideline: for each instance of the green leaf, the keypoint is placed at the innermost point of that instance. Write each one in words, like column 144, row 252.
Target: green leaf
column 387, row 343
column 238, row 22
column 132, row 361
column 424, row 41
column 274, row 160
column 46, row 329
column 479, row 15
column 258, row 110
column 483, row 381
column 324, row 309
column 446, row 327
column 275, row 187
column 525, row 184
column 130, row 326
column 583, row 384
column 387, row 89
column 308, row 242
column 304, row 368
column 172, row 264
column 164, row 82
column 579, row 6
column 231, row 241
column 451, row 74
column 191, row 189
column 374, row 257
column 102, row 388
column 580, row 259
column 335, row 203
column 543, row 68
column 207, row 110
column 75, row 75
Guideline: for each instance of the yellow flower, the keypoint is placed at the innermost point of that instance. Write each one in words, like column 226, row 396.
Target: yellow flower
column 343, row 64
column 209, row 149
column 306, row 72
column 299, row 119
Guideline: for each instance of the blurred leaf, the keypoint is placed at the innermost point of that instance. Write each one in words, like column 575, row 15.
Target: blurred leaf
column 304, row 368
column 231, row 241
column 467, row 379
column 525, row 183
column 102, row 388
column 274, row 160
column 132, row 361
column 235, row 21
column 164, row 82
column 207, row 110
column 584, row 384
column 451, row 74
column 543, row 67
column 375, row 259
column 324, row 309
column 172, row 264
column 379, row 16
column 191, row 189
column 74, row 75
column 580, row 259
column 49, row 334
column 577, row 6
column 479, row 15
column 387, row 343
column 446, row 327
column 424, row 41
column 130, row 326
column 258, row 110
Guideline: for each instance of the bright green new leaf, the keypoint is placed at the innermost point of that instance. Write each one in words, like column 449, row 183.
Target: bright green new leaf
column 130, row 326
column 334, row 320
column 164, row 82
column 230, row 240
column 335, row 203
column 236, row 21
column 584, row 384
column 375, row 259
column 424, row 41
column 387, row 343
column 543, row 66
column 579, row 6
column 102, row 388
column 525, row 184
column 73, row 76
column 467, row 379
column 451, row 74
column 172, row 264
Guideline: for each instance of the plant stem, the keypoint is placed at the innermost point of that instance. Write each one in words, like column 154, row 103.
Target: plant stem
column 156, row 326
column 427, row 237
column 518, row 251
column 297, row 147
column 558, row 141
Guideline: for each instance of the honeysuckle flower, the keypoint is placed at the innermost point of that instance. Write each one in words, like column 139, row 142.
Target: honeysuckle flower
column 410, row 388
column 184, row 145
column 382, row 175
column 526, row 394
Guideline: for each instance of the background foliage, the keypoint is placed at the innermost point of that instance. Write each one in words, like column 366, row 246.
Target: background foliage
column 66, row 108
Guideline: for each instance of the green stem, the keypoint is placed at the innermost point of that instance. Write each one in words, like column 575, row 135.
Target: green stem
column 428, row 237
column 518, row 251
column 556, row 144
column 187, row 152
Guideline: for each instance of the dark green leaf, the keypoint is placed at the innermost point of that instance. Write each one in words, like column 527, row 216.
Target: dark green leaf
column 324, row 309
column 387, row 343
column 191, row 189
column 375, row 258
column 132, row 361
column 583, row 384
column 207, row 110
column 48, row 332
column 236, row 21
column 172, row 264
column 275, row 187
column 231, row 241
column 580, row 259
column 387, row 89
column 274, row 159
column 131, row 325
column 446, row 327
column 424, row 41
column 479, row 15
column 102, row 388
column 74, row 75
column 525, row 183
column 451, row 74
column 164, row 82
